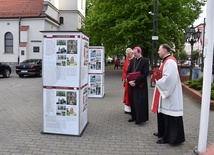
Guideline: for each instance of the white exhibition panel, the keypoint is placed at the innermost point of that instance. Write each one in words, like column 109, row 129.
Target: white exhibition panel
column 96, row 71
column 61, row 111
column 83, row 108
column 65, row 82
column 64, row 55
column 96, row 59
column 96, row 85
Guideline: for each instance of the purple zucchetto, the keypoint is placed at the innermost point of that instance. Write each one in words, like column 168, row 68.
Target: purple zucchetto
column 138, row 48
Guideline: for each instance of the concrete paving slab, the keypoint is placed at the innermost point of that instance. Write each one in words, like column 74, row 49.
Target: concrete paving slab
column 108, row 131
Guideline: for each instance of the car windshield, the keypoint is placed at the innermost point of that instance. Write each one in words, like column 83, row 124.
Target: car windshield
column 31, row 61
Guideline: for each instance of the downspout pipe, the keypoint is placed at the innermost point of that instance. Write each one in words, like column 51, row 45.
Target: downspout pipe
column 19, row 39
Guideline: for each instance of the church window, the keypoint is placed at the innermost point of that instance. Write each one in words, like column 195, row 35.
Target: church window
column 8, row 39
column 22, row 52
column 61, row 20
column 36, row 49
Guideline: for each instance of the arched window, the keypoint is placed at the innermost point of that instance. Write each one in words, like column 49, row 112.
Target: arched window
column 61, row 20
column 8, row 40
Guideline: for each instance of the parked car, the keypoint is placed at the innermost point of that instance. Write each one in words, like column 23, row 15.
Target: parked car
column 29, row 67
column 5, row 70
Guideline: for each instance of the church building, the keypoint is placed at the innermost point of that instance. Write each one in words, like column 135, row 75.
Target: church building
column 21, row 23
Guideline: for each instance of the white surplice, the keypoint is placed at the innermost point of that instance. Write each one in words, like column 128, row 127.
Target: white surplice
column 169, row 86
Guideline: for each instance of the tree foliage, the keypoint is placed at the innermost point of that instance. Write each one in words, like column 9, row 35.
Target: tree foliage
column 118, row 24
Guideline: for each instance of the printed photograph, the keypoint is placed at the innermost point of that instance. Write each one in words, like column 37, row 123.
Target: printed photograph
column 61, row 42
column 60, row 93
column 71, row 111
column 72, row 47
column 71, row 60
column 61, row 101
column 61, row 50
column 71, row 98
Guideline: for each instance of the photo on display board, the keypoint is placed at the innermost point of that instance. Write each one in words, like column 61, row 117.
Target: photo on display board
column 60, row 93
column 93, row 53
column 71, row 111
column 71, row 60
column 61, row 60
column 72, row 47
column 60, row 42
column 61, row 57
column 85, row 99
column 95, row 85
column 61, row 50
column 95, row 60
column 86, row 44
column 98, row 65
column 65, row 103
column 85, row 57
column 71, row 98
column 61, row 100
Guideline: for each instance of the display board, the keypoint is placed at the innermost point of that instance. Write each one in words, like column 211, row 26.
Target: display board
column 96, row 59
column 65, row 82
column 96, row 71
column 96, row 85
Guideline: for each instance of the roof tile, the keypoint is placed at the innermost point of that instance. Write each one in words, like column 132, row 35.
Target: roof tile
column 20, row 8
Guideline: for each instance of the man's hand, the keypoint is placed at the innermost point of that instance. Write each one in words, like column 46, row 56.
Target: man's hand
column 132, row 83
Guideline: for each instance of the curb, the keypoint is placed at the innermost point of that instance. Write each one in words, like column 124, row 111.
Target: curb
column 196, row 94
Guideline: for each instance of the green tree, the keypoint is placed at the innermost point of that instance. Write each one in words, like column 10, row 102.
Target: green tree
column 195, row 55
column 181, row 55
column 118, row 24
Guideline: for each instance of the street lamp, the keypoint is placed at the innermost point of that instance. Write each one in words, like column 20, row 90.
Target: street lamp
column 154, row 35
column 192, row 36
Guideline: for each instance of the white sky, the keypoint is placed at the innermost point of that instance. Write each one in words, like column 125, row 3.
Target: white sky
column 200, row 20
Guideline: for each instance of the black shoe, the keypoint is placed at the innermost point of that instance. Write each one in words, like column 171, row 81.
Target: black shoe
column 131, row 120
column 155, row 134
column 127, row 112
column 160, row 141
column 137, row 122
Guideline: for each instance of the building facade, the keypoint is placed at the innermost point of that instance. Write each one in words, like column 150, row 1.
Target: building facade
column 23, row 20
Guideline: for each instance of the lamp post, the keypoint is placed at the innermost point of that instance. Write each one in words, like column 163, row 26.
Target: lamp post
column 155, row 31
column 192, row 36
column 154, row 35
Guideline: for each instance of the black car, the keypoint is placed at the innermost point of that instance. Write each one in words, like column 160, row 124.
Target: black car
column 29, row 67
column 5, row 70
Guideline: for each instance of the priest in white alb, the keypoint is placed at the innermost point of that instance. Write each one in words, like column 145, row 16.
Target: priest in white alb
column 168, row 100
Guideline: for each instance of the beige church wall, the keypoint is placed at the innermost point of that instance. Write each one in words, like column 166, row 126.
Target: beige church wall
column 68, row 4
column 23, row 36
column 9, row 25
column 52, row 11
column 35, row 37
column 53, row 2
column 75, row 5
column 50, row 26
column 81, row 6
column 71, row 21
column 22, row 54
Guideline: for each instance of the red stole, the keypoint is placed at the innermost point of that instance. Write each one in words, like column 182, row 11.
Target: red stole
column 156, row 98
column 125, row 84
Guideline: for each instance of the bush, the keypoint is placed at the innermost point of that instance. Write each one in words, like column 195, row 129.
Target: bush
column 197, row 85
column 212, row 94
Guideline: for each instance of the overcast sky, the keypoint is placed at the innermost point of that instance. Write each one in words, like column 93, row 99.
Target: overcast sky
column 200, row 20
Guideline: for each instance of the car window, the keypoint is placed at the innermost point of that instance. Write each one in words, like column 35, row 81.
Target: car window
column 29, row 61
column 39, row 62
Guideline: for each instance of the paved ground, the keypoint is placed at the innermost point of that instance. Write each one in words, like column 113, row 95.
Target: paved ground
column 108, row 132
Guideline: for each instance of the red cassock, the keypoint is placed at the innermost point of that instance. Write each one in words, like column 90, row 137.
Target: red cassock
column 125, row 84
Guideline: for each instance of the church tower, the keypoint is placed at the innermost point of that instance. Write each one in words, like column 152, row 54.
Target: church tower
column 71, row 13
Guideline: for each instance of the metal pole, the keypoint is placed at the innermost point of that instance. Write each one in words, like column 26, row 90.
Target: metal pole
column 191, row 66
column 208, row 61
column 155, row 36
column 155, row 30
column 202, row 58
